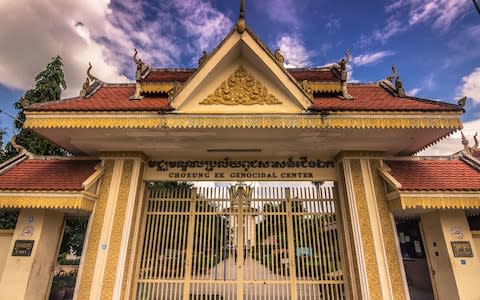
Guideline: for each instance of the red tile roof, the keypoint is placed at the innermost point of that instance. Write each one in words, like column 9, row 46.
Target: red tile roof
column 372, row 97
column 107, row 98
column 35, row 174
column 170, row 75
column 367, row 97
column 313, row 74
column 435, row 175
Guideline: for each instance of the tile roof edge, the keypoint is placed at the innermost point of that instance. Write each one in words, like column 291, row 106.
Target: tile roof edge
column 12, row 162
column 471, row 161
column 34, row 106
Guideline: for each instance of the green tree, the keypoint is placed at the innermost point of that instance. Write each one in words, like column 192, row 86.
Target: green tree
column 49, row 85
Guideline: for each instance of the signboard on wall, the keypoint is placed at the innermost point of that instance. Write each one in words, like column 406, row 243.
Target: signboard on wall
column 462, row 249
column 23, row 248
column 290, row 169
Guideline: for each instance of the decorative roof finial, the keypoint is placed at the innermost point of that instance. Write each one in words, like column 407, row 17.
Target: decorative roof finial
column 394, row 83
column 462, row 101
column 203, row 59
column 90, row 81
column 392, row 77
column 466, row 148
column 142, row 67
column 241, row 25
column 279, row 57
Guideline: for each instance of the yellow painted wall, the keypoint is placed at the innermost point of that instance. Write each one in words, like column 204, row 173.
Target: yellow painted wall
column 5, row 240
column 476, row 240
column 21, row 277
column 452, row 278
column 443, row 280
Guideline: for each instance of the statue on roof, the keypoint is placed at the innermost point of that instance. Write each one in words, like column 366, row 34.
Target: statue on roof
column 466, row 144
column 202, row 59
column 142, row 67
column 395, row 83
column 279, row 57
column 91, row 82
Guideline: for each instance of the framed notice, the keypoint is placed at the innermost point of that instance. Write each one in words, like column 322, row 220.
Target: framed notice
column 23, row 248
column 462, row 249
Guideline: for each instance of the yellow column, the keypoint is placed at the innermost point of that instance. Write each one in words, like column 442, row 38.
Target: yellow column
column 20, row 278
column 371, row 235
column 105, row 263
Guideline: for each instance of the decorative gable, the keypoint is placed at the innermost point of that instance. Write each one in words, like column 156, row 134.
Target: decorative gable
column 241, row 88
column 241, row 76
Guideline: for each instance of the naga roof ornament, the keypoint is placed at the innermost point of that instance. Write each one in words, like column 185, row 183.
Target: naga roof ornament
column 394, row 83
column 279, row 57
column 142, row 68
column 203, row 58
column 341, row 69
column 462, row 101
column 90, row 84
column 466, row 144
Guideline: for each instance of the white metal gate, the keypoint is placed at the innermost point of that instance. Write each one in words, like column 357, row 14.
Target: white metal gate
column 240, row 243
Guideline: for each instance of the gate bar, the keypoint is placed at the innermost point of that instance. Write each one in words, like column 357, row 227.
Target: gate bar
column 188, row 260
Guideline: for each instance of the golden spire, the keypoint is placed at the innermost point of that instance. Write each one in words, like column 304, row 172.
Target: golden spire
column 241, row 25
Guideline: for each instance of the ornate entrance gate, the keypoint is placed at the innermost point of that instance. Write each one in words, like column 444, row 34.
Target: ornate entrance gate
column 240, row 243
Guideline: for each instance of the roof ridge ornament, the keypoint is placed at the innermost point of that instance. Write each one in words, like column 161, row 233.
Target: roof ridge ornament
column 279, row 57
column 241, row 24
column 341, row 68
column 19, row 148
column 466, row 144
column 394, row 83
column 203, row 58
column 90, row 84
column 142, row 67
column 462, row 101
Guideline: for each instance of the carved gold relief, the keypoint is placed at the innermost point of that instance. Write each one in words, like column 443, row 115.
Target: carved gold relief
column 91, row 247
column 388, row 233
column 366, row 230
column 51, row 202
column 439, row 202
column 241, row 122
column 241, row 88
column 117, row 230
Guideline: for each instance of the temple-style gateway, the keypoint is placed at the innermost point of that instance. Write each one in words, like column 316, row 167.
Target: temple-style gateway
column 346, row 210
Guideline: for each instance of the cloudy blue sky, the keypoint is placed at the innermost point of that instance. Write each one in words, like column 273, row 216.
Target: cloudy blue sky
column 434, row 43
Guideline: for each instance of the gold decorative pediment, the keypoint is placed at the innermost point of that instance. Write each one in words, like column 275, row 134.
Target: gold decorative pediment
column 241, row 88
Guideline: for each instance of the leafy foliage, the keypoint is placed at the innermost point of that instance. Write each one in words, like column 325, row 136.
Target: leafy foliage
column 49, row 85
column 8, row 219
column 74, row 235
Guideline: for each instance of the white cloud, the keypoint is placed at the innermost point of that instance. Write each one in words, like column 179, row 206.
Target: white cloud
column 471, row 86
column 283, row 11
column 105, row 34
column 403, row 14
column 370, row 58
column 413, row 92
column 453, row 143
column 294, row 51
column 37, row 31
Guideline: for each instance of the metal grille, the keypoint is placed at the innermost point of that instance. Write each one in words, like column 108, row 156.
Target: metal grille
column 240, row 243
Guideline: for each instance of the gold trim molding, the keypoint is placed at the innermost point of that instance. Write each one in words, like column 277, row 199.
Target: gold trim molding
column 151, row 88
column 436, row 202
column 241, row 88
column 253, row 121
column 323, row 87
column 50, row 202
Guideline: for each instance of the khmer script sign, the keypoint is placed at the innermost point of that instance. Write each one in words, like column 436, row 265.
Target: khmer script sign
column 241, row 169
